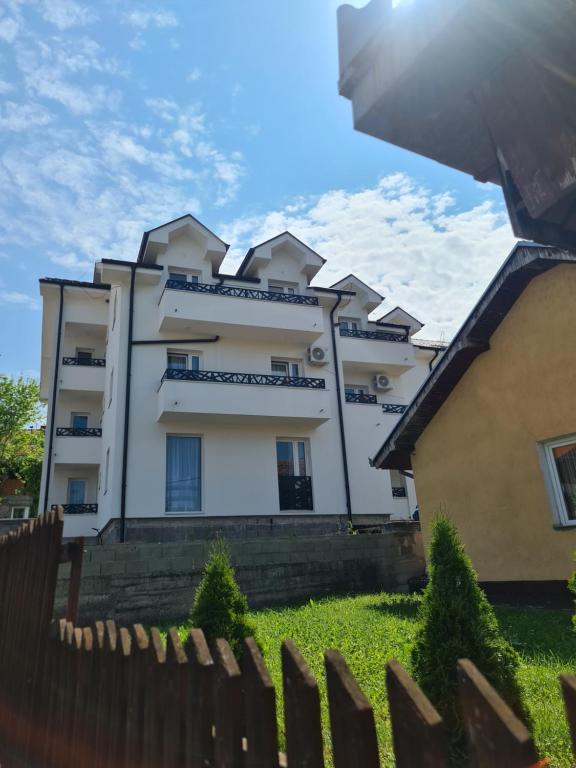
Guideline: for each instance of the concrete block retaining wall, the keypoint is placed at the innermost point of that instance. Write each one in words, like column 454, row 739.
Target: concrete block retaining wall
column 155, row 583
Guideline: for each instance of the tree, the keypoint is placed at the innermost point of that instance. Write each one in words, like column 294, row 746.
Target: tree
column 19, row 408
column 220, row 609
column 21, row 447
column 456, row 622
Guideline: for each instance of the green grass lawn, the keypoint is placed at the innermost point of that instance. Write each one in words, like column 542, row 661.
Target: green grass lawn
column 371, row 629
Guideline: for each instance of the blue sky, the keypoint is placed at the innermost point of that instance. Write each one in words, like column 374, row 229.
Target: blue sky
column 116, row 116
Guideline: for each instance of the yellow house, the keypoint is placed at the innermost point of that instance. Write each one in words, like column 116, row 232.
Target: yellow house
column 491, row 435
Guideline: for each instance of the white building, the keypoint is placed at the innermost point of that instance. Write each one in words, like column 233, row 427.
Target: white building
column 177, row 393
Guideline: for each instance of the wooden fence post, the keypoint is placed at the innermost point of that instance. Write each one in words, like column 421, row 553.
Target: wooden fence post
column 568, row 684
column 228, row 711
column 495, row 735
column 417, row 729
column 354, row 742
column 200, row 706
column 259, row 708
column 302, row 722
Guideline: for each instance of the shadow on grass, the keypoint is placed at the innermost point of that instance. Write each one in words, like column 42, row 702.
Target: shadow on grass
column 539, row 633
column 402, row 606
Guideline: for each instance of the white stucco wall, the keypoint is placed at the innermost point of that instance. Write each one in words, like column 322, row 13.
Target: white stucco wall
column 238, row 424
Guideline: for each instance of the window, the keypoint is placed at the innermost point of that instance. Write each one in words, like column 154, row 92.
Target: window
column 560, row 467
column 182, row 277
column 182, row 361
column 285, row 368
column 76, row 491
column 280, row 288
column 111, row 387
column 84, row 354
column 183, row 473
column 107, row 470
column 114, row 310
column 294, row 481
column 79, row 421
column 349, row 324
column 20, row 513
column 355, row 389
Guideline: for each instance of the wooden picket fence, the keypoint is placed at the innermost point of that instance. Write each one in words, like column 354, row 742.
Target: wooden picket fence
column 102, row 696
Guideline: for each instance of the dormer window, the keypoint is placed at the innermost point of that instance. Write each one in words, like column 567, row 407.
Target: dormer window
column 182, row 277
column 349, row 324
column 281, row 288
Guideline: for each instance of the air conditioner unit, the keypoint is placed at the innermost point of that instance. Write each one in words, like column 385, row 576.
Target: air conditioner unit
column 382, row 382
column 317, row 355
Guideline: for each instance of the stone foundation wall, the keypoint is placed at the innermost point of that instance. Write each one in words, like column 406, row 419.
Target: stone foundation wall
column 151, row 530
column 155, row 583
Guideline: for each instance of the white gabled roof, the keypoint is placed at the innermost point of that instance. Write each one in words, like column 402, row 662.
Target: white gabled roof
column 260, row 255
column 156, row 240
column 367, row 295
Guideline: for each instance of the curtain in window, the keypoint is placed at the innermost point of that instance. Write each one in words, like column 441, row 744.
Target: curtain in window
column 76, row 491
column 565, row 458
column 183, row 474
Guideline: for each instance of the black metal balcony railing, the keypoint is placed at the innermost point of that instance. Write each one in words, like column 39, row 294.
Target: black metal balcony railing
column 80, row 509
column 393, row 408
column 398, row 492
column 77, row 432
column 295, row 492
column 374, row 335
column 243, row 293
column 360, row 397
column 96, row 362
column 224, row 377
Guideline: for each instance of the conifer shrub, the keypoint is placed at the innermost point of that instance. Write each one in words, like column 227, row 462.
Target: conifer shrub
column 220, row 609
column 457, row 622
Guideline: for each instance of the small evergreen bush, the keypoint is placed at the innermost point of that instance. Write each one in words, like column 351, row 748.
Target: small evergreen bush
column 456, row 622
column 220, row 609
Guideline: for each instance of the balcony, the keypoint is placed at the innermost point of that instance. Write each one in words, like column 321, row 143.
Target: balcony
column 80, row 509
column 295, row 493
column 393, row 408
column 360, row 397
column 82, row 374
column 241, row 397
column 234, row 312
column 77, row 446
column 399, row 492
column 368, row 351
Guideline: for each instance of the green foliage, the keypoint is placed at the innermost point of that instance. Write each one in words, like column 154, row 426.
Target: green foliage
column 572, row 588
column 23, row 456
column 456, row 622
column 19, row 408
column 220, row 609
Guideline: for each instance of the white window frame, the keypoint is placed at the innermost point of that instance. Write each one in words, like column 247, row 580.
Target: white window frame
column 111, row 388
column 107, row 471
column 86, row 350
column 73, row 414
column 350, row 321
column 189, row 357
column 358, row 389
column 295, row 441
column 114, row 308
column 189, row 277
column 191, row 512
column 278, row 286
column 553, row 485
column 76, row 480
column 288, row 363
column 26, row 514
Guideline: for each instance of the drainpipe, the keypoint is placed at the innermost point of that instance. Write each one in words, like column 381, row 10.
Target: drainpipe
column 54, row 392
column 431, row 361
column 340, row 413
column 127, row 405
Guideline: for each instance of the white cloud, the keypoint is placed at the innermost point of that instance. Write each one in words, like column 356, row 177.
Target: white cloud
column 142, row 19
column 71, row 261
column 67, row 13
column 5, row 87
column 21, row 117
column 21, row 299
column 193, row 75
column 8, row 29
column 410, row 244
